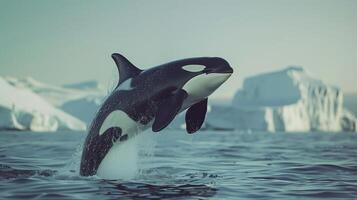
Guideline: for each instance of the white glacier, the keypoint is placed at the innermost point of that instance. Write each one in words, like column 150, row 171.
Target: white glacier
column 22, row 109
column 80, row 100
column 57, row 95
column 288, row 100
column 348, row 121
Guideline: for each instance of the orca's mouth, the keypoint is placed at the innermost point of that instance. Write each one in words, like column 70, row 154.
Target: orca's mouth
column 227, row 70
column 220, row 70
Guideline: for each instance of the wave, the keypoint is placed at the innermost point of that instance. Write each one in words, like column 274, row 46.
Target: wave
column 8, row 172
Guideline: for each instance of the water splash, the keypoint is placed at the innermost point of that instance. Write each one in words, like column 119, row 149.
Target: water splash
column 122, row 161
column 73, row 165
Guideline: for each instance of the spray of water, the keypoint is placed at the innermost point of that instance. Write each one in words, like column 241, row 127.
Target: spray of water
column 122, row 161
column 128, row 159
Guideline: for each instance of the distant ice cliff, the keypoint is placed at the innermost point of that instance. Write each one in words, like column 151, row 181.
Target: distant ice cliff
column 22, row 109
column 80, row 100
column 288, row 100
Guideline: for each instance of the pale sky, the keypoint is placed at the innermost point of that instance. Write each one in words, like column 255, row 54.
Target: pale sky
column 70, row 41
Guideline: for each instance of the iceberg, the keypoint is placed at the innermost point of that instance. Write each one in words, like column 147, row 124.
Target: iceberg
column 57, row 95
column 289, row 100
column 81, row 100
column 22, row 109
column 348, row 121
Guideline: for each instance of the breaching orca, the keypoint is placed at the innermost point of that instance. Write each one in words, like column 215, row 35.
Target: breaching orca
column 150, row 98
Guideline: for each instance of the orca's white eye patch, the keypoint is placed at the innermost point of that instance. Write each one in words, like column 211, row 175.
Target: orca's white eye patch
column 194, row 68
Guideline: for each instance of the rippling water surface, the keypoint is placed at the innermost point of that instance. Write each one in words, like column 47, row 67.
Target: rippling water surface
column 172, row 164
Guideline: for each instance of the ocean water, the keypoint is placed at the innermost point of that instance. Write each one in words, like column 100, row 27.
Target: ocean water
column 173, row 164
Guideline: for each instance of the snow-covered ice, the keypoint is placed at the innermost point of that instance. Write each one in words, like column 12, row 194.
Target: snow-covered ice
column 80, row 100
column 22, row 109
column 57, row 95
column 287, row 100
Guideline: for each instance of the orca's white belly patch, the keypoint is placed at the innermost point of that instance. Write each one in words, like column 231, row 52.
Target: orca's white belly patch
column 121, row 150
column 120, row 119
column 120, row 161
column 201, row 86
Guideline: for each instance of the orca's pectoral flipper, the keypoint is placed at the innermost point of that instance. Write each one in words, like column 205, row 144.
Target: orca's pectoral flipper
column 125, row 67
column 195, row 116
column 168, row 109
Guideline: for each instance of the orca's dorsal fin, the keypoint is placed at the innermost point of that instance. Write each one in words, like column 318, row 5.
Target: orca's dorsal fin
column 125, row 68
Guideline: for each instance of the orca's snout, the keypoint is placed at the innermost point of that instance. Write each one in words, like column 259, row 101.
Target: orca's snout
column 223, row 69
column 219, row 65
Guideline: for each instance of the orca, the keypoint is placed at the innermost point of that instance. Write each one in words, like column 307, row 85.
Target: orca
column 150, row 98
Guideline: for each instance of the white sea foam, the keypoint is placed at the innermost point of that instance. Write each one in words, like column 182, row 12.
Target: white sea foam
column 122, row 161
